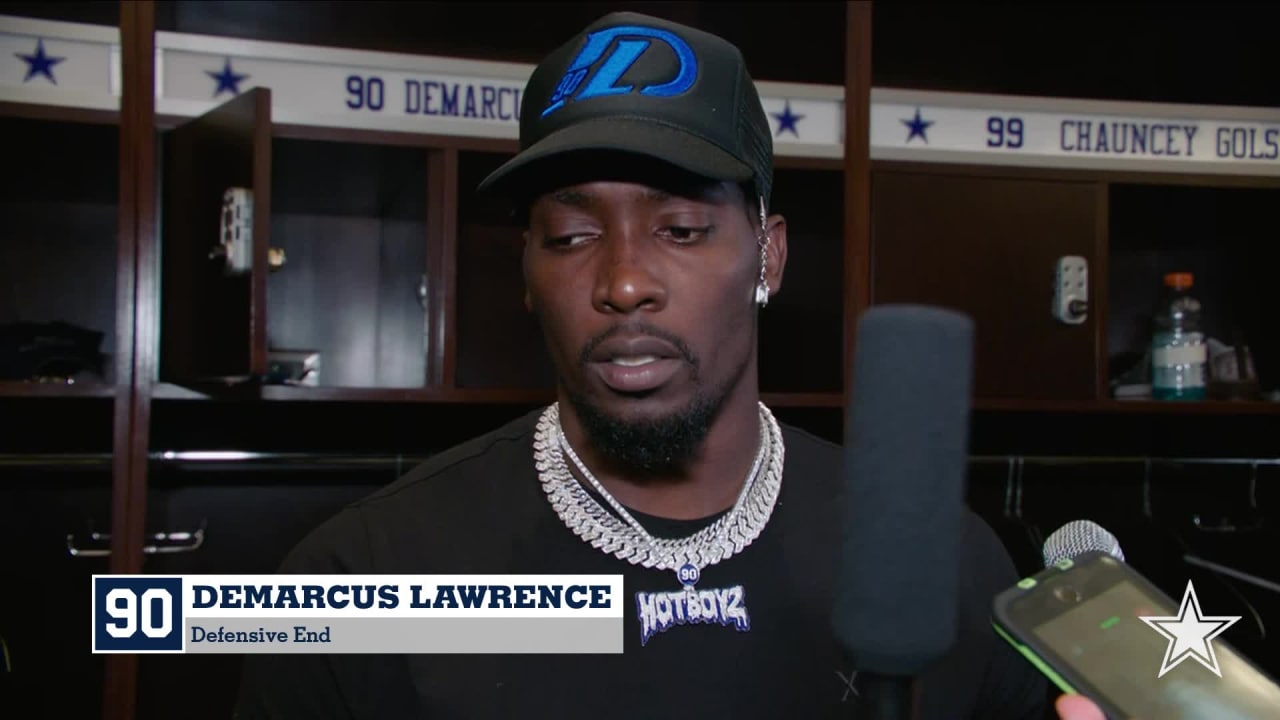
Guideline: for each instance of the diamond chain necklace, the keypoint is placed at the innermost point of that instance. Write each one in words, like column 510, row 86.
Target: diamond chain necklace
column 623, row 537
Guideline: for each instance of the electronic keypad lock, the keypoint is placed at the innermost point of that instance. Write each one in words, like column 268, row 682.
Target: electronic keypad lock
column 235, row 235
column 1071, row 289
column 235, row 232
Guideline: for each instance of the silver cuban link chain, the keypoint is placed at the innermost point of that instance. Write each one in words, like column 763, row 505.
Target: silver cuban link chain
column 619, row 534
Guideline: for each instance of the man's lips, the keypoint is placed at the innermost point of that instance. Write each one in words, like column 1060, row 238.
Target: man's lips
column 634, row 348
column 637, row 374
column 636, row 363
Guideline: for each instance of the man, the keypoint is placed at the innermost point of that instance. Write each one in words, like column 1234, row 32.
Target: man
column 644, row 175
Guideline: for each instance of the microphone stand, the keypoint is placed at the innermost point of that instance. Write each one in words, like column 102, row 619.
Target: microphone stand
column 887, row 697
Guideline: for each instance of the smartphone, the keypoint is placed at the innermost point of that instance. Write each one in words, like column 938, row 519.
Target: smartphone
column 1080, row 623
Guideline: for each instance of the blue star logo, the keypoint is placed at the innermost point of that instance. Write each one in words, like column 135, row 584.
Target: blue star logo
column 228, row 80
column 39, row 63
column 787, row 120
column 917, row 125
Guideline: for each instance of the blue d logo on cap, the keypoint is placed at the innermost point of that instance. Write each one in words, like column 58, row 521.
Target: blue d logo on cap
column 618, row 62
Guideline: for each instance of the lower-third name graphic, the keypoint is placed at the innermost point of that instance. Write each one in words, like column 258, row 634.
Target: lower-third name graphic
column 296, row 633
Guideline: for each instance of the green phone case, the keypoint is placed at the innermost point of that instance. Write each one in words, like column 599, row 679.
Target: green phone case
column 1040, row 663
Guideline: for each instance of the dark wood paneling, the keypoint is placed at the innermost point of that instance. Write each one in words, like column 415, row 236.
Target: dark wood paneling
column 262, row 171
column 491, row 296
column 250, row 521
column 1222, row 235
column 50, row 671
column 48, row 423
column 800, row 162
column 1101, row 289
column 136, row 324
column 341, row 424
column 96, row 12
column 58, row 113
column 57, row 265
column 856, row 293
column 352, row 222
column 388, row 137
column 401, row 315
column 58, row 251
column 340, row 178
column 1127, row 429
column 214, row 325
column 1124, row 51
column 329, row 298
column 65, row 159
column 26, row 389
column 987, row 247
column 490, row 291
column 802, row 327
column 442, row 267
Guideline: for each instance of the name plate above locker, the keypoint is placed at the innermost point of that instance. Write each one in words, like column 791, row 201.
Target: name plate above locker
column 342, row 88
column 75, row 65
column 59, row 64
column 1067, row 133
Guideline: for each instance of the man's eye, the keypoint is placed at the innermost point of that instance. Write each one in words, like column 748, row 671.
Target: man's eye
column 566, row 241
column 683, row 234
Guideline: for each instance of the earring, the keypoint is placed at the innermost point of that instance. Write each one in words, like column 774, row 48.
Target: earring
column 762, row 286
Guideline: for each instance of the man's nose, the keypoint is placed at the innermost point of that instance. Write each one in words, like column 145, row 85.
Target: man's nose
column 627, row 279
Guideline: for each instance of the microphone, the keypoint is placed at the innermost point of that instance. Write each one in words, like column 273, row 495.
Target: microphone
column 906, row 445
column 1078, row 537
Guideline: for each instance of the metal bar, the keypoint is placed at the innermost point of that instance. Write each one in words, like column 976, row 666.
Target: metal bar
column 154, row 544
column 1231, row 572
column 214, row 457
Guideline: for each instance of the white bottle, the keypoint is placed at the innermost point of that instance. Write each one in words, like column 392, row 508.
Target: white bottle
column 1179, row 354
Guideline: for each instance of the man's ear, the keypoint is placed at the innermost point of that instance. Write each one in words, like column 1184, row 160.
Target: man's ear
column 776, row 256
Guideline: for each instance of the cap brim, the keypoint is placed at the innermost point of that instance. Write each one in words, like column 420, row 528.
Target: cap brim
column 617, row 134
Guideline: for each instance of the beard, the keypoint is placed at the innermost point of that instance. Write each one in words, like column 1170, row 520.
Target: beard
column 654, row 446
column 650, row 446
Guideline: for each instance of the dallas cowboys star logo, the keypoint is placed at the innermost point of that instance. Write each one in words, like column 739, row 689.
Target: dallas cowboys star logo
column 39, row 63
column 1189, row 634
column 228, row 80
column 787, row 120
column 917, row 125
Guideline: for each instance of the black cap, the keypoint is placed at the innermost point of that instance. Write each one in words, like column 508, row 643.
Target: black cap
column 636, row 84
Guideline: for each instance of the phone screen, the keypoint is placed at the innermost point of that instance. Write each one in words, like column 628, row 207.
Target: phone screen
column 1104, row 640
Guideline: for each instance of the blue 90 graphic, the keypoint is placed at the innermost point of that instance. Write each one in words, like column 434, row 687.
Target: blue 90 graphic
column 688, row 574
column 1004, row 132
column 364, row 93
column 137, row 614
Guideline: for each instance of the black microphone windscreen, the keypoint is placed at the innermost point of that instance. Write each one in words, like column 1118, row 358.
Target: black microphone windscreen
column 906, row 445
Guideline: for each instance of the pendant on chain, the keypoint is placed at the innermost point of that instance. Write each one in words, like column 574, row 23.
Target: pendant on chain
column 618, row 534
column 661, row 611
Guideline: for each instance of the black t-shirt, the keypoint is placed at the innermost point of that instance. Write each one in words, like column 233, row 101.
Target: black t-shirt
column 479, row 508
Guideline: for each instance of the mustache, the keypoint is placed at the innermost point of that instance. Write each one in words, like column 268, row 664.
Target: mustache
column 682, row 347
